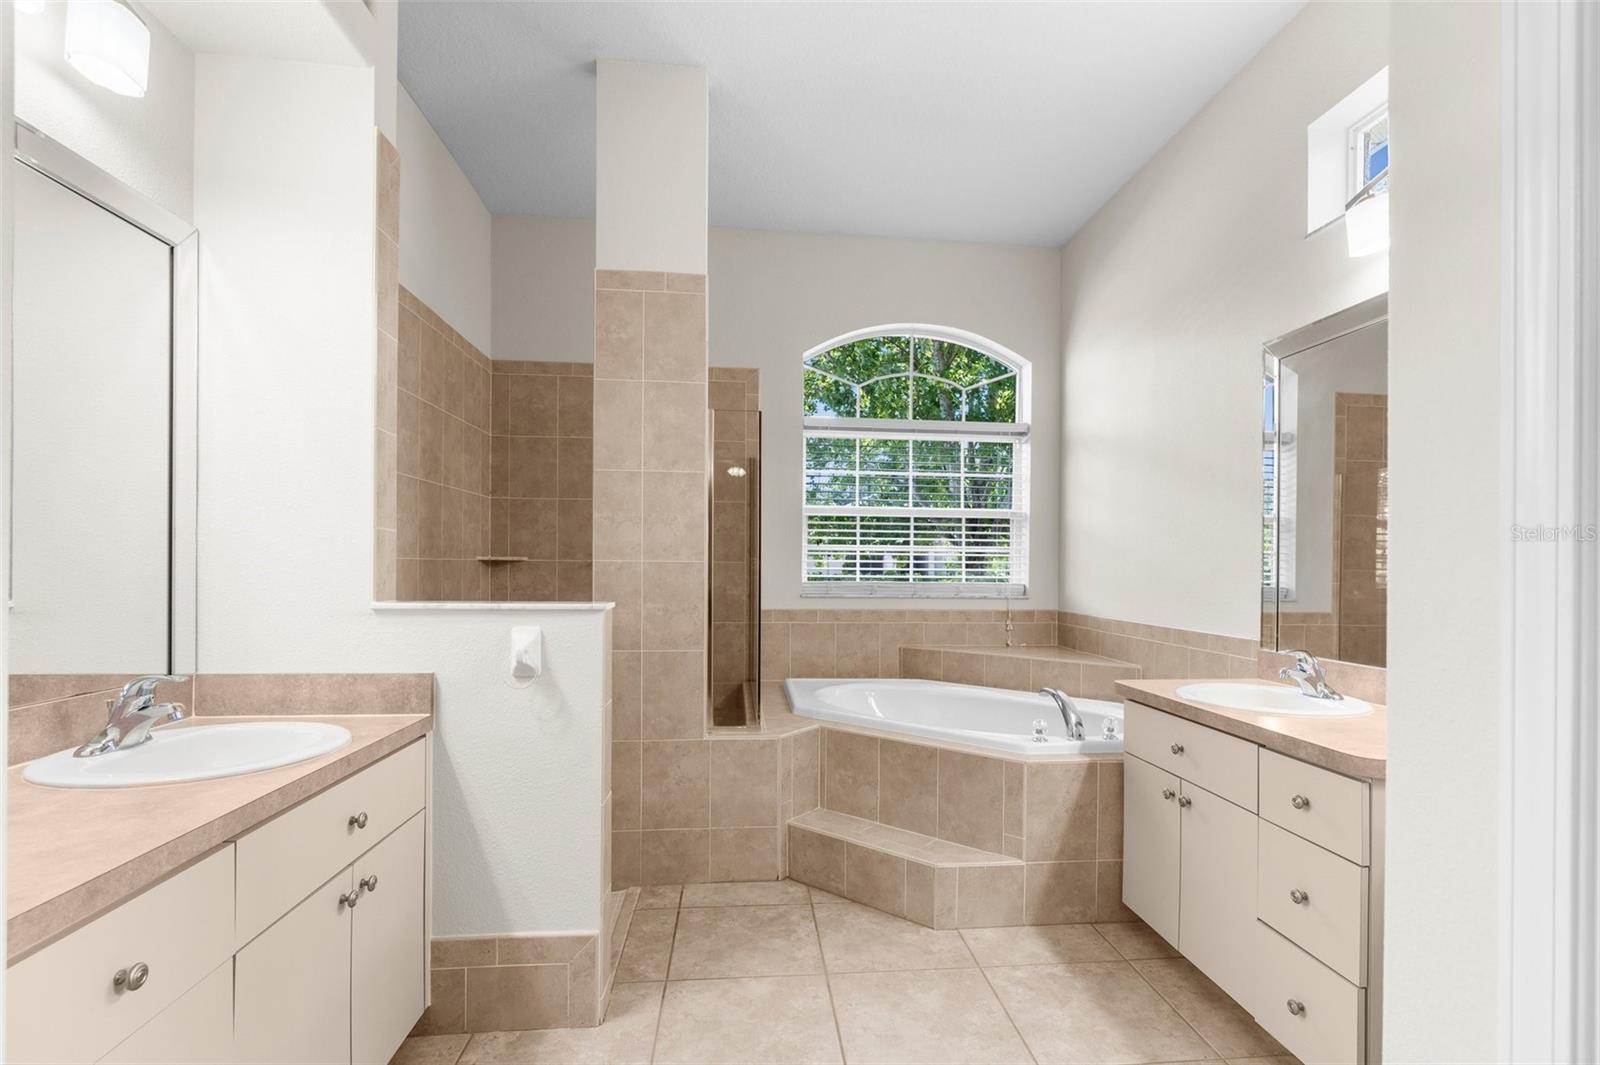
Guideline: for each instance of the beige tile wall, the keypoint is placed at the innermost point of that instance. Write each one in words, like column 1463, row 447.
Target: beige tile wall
column 1159, row 651
column 50, row 712
column 490, row 984
column 386, row 440
column 542, row 481
column 1361, row 533
column 1062, row 819
column 444, row 466
column 735, row 399
column 866, row 642
column 1020, row 669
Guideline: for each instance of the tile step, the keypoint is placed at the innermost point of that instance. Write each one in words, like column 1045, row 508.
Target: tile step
column 898, row 842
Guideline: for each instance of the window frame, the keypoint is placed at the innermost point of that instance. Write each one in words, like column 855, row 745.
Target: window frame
column 1017, row 432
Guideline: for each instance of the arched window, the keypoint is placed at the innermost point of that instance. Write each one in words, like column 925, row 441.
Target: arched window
column 916, row 463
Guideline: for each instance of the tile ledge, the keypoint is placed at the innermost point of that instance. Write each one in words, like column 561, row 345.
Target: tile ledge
column 474, row 606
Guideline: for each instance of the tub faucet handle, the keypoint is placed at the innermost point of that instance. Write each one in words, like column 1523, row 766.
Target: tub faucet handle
column 1038, row 730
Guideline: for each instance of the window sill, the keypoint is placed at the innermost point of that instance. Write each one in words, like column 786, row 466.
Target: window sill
column 902, row 591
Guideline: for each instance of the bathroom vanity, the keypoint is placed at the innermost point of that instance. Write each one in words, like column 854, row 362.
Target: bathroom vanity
column 270, row 917
column 1253, row 843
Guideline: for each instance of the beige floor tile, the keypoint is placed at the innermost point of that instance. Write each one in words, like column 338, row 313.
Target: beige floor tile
column 625, row 1038
column 818, row 896
column 660, row 897
column 1135, row 940
column 430, row 1050
column 933, row 1016
column 1048, row 944
column 1223, row 1023
column 1276, row 1059
column 764, row 1019
column 745, row 941
column 1099, row 1012
column 860, row 939
column 750, row 893
column 649, row 947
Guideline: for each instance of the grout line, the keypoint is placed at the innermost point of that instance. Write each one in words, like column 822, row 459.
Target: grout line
column 1002, row 1004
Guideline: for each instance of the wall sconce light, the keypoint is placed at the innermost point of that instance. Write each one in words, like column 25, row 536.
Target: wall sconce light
column 109, row 44
column 1366, row 217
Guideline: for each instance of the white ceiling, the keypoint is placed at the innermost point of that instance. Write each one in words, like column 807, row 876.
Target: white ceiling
column 989, row 122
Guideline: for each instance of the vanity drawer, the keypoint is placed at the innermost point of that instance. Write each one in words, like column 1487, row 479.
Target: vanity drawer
column 1329, row 809
column 1224, row 765
column 286, row 859
column 1331, row 922
column 1330, row 1025
column 63, row 1004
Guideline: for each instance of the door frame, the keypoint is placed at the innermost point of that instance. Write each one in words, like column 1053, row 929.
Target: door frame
column 1550, row 475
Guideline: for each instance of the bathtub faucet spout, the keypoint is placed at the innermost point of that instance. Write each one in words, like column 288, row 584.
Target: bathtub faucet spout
column 1069, row 712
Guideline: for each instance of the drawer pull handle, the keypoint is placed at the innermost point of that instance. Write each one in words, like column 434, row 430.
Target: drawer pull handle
column 1298, row 897
column 1176, row 748
column 1168, row 793
column 131, row 978
column 350, row 898
column 1185, row 802
column 1300, row 802
column 1297, row 1007
column 358, row 820
column 369, row 883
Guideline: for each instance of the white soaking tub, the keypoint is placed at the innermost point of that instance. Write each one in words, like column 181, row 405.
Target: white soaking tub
column 998, row 719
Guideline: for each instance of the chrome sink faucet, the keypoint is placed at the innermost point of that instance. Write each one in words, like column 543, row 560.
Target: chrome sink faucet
column 1307, row 672
column 133, row 713
column 1069, row 712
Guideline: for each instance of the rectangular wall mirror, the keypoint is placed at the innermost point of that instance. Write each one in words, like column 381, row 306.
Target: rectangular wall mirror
column 1324, row 480
column 103, row 423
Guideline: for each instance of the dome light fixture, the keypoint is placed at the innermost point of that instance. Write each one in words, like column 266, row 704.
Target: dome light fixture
column 108, row 43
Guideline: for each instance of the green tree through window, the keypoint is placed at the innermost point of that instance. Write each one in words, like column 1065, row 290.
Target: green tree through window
column 932, row 491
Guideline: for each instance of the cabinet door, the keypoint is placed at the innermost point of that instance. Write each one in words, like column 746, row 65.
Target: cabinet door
column 388, row 961
column 1150, row 845
column 292, row 984
column 195, row 1030
column 1217, row 922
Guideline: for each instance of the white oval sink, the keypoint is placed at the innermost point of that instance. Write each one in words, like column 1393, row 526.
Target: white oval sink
column 194, row 752
column 1271, row 699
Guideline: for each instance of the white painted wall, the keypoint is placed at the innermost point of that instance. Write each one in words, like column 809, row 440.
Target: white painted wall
column 444, row 229
column 651, row 166
column 1167, row 296
column 1446, row 538
column 774, row 296
column 285, row 524
column 146, row 142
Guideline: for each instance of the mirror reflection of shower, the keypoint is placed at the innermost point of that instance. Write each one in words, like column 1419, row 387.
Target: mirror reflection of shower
column 735, row 668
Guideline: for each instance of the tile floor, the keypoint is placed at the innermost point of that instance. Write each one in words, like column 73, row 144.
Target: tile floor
column 779, row 972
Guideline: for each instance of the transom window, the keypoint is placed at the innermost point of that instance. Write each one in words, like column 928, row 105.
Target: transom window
column 915, row 477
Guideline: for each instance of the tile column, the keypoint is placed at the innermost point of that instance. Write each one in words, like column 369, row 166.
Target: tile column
column 650, row 462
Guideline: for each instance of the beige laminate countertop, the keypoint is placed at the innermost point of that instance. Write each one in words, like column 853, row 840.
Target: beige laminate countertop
column 1354, row 746
column 74, row 853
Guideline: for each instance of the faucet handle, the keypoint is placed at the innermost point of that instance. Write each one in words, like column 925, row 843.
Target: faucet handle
column 145, row 687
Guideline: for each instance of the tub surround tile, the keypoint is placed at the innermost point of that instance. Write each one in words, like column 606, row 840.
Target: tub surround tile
column 745, row 854
column 675, row 856
column 971, row 799
column 851, row 773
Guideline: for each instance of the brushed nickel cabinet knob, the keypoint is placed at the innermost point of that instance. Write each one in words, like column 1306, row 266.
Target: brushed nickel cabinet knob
column 1297, row 1007
column 1176, row 748
column 1168, row 794
column 369, row 883
column 131, row 978
column 1298, row 897
column 350, row 898
column 358, row 820
column 1300, row 802
column 1185, row 802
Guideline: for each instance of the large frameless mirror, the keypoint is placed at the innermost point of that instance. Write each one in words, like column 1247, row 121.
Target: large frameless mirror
column 103, row 423
column 1324, row 479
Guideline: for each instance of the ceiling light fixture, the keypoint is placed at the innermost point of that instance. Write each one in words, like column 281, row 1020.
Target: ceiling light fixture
column 108, row 43
column 1366, row 217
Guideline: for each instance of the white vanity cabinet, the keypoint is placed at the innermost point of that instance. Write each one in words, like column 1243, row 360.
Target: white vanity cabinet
column 1266, row 873
column 293, row 943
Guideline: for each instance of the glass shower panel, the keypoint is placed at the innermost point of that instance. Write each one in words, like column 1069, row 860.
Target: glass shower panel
column 735, row 660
